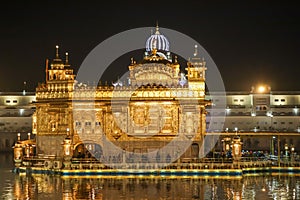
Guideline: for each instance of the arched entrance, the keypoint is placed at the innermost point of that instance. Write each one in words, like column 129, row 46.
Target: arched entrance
column 195, row 150
column 88, row 150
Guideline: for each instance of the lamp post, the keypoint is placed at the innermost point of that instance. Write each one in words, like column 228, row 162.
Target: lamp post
column 272, row 145
column 278, row 150
column 67, row 147
column 68, row 153
column 236, row 149
column 236, row 130
column 286, row 149
column 226, row 145
column 18, row 152
column 28, row 147
column 271, row 125
column 292, row 154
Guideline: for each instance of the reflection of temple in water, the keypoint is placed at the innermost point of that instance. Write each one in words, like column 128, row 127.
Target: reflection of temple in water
column 54, row 187
column 158, row 104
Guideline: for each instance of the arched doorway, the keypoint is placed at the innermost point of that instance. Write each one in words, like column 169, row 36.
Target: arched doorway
column 195, row 150
column 88, row 150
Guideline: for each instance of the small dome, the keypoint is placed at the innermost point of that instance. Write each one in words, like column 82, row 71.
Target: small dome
column 157, row 41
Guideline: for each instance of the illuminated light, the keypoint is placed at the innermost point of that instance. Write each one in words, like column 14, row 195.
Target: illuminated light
column 21, row 111
column 253, row 114
column 227, row 110
column 261, row 89
column 189, row 113
column 165, row 103
column 292, row 148
column 286, row 147
column 139, row 103
column 296, row 110
column 196, row 50
column 117, row 113
column 227, row 147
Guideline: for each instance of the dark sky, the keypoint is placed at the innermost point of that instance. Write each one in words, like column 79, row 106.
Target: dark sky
column 250, row 41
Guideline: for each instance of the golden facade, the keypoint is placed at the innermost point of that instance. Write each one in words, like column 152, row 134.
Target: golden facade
column 156, row 106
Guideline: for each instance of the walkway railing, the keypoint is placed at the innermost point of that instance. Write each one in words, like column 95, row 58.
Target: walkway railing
column 209, row 163
column 52, row 162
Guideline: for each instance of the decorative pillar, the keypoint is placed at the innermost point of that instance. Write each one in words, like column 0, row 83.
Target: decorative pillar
column 68, row 152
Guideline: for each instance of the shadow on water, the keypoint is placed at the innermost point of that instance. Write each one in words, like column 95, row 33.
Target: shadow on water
column 6, row 160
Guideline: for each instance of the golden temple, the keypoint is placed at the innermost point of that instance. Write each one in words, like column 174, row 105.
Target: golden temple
column 159, row 115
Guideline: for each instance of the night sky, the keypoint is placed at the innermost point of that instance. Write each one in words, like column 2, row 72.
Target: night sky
column 250, row 42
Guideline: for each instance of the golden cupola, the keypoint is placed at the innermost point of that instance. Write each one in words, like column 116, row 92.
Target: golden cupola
column 157, row 67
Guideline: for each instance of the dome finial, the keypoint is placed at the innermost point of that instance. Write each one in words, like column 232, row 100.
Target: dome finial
column 67, row 58
column 157, row 28
column 56, row 50
column 196, row 50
